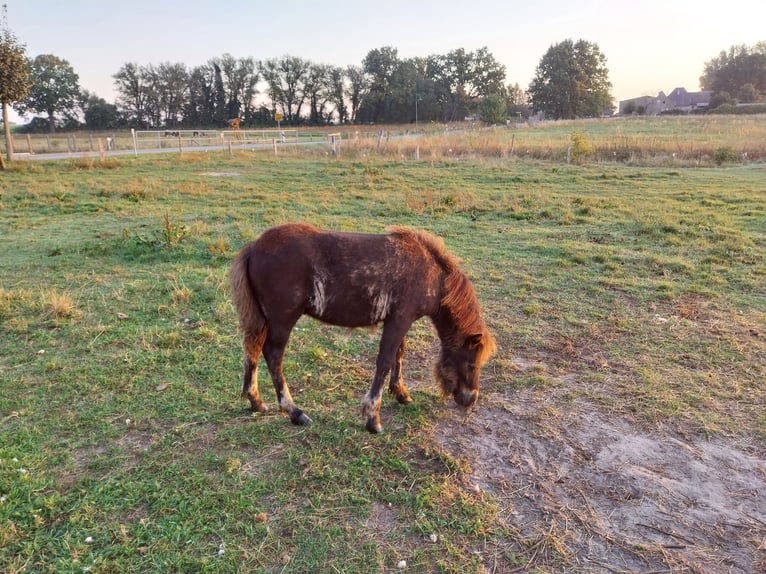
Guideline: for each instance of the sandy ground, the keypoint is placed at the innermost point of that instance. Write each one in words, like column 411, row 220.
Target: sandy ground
column 581, row 491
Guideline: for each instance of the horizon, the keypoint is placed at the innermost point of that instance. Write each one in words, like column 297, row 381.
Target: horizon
column 97, row 43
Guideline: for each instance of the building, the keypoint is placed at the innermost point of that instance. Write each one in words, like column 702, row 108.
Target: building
column 677, row 101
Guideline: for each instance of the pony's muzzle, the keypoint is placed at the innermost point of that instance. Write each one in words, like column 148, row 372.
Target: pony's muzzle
column 466, row 398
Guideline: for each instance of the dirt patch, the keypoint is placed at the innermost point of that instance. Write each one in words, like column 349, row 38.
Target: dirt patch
column 582, row 491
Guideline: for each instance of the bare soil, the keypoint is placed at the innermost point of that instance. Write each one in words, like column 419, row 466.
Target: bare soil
column 583, row 491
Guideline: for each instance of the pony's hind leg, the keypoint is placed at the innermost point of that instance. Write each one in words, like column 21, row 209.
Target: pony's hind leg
column 273, row 352
column 252, row 347
column 396, row 384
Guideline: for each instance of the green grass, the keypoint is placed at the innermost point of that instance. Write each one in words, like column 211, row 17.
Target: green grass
column 124, row 444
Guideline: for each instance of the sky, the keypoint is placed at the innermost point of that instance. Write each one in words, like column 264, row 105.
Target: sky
column 649, row 45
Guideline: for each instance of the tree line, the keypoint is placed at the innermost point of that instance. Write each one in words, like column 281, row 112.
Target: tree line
column 571, row 81
column 383, row 89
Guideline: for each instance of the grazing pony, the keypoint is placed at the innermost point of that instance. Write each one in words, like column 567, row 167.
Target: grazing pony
column 356, row 280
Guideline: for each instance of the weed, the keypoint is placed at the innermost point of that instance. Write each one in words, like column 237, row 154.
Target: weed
column 173, row 233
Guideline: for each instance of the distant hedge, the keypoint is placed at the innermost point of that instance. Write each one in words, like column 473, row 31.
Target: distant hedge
column 739, row 110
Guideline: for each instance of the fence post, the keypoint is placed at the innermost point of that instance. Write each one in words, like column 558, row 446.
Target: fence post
column 179, row 143
column 101, row 149
column 29, row 144
column 275, row 146
column 135, row 143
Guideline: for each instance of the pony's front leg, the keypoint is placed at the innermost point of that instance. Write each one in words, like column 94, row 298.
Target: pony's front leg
column 273, row 352
column 396, row 384
column 391, row 347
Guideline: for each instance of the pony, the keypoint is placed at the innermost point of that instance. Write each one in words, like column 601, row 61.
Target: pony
column 357, row 280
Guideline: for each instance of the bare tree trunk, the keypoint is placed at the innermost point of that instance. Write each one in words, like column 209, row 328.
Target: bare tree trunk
column 8, row 138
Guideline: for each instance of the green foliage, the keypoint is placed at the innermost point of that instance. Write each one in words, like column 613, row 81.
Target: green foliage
column 579, row 147
column 740, row 71
column 725, row 154
column 15, row 79
column 55, row 89
column 492, row 109
column 572, row 81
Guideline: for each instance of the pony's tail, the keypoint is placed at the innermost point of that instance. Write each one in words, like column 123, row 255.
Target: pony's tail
column 252, row 322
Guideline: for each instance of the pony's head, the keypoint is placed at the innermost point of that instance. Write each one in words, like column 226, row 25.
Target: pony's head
column 459, row 366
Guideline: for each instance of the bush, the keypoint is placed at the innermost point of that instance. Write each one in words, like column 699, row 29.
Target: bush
column 724, row 154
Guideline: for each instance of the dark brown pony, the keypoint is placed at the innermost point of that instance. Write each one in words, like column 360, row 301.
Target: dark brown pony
column 355, row 280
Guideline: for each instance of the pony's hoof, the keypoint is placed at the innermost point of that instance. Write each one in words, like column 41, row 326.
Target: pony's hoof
column 259, row 407
column 403, row 399
column 374, row 426
column 301, row 419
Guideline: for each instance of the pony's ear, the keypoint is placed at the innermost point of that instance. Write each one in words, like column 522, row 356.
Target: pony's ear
column 474, row 340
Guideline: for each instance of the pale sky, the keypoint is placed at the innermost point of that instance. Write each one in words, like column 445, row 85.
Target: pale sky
column 650, row 45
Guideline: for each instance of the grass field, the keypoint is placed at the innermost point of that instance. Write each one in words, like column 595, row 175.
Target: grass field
column 639, row 290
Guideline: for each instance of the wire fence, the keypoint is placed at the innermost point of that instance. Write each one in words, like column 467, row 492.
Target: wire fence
column 79, row 143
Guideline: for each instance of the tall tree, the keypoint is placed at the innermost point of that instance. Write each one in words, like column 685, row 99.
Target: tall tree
column 463, row 78
column 356, row 90
column 572, row 81
column 335, row 89
column 239, row 77
column 55, row 89
column 14, row 77
column 173, row 88
column 379, row 65
column 132, row 93
column 740, row 72
column 286, row 77
column 199, row 110
column 315, row 87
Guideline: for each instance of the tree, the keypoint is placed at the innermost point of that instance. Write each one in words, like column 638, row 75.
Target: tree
column 239, row 77
column 517, row 101
column 572, row 81
column 167, row 89
column 378, row 65
column 335, row 93
column 14, row 78
column 315, row 88
column 55, row 90
column 199, row 110
column 492, row 109
column 357, row 89
column 286, row 78
column 740, row 71
column 98, row 113
column 132, row 91
column 463, row 78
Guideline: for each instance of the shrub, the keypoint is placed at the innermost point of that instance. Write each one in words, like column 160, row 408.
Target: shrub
column 724, row 154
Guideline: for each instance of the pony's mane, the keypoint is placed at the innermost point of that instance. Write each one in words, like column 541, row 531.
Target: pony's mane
column 458, row 296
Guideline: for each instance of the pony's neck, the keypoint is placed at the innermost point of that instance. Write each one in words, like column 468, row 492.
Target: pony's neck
column 445, row 326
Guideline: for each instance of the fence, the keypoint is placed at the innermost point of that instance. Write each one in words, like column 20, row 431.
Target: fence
column 187, row 139
column 76, row 143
